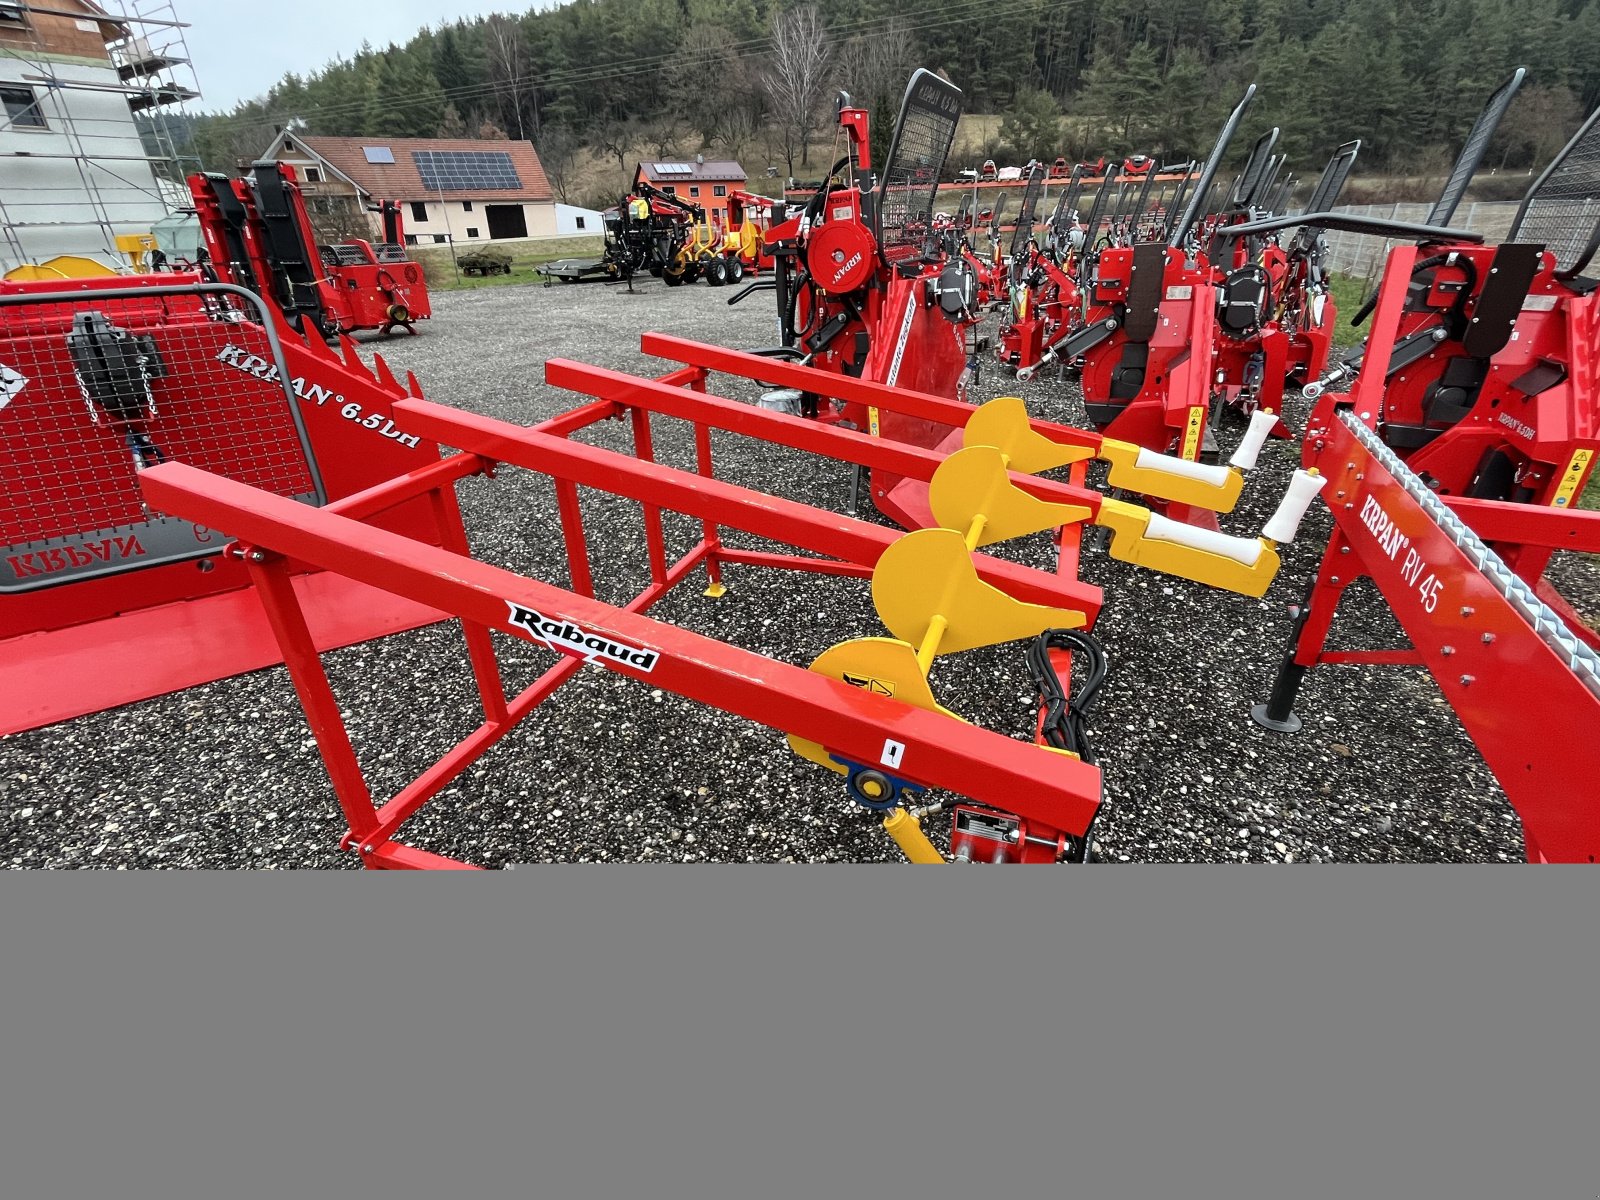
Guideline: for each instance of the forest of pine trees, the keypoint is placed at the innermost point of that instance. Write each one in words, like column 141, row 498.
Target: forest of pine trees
column 620, row 77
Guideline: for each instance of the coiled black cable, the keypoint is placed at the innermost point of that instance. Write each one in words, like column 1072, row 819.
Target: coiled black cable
column 1065, row 716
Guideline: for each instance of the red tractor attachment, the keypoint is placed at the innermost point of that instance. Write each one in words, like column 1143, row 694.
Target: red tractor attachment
column 104, row 601
column 867, row 287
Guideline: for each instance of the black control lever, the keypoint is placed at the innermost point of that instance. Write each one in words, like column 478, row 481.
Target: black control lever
column 760, row 285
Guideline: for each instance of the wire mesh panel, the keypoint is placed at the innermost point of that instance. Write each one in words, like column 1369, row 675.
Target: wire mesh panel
column 1472, row 150
column 1030, row 210
column 922, row 138
column 1333, row 177
column 1255, row 170
column 1562, row 209
column 344, row 255
column 97, row 385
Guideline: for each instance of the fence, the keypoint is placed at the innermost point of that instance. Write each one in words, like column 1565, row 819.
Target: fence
column 1362, row 255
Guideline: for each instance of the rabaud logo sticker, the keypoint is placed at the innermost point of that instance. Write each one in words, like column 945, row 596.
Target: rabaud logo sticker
column 570, row 638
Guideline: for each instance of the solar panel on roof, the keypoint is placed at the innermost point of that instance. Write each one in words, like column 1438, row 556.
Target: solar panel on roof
column 378, row 154
column 466, row 170
column 674, row 169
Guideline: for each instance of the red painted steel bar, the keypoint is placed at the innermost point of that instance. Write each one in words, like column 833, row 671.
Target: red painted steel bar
column 1529, row 524
column 794, row 562
column 655, row 538
column 273, row 584
column 770, row 517
column 839, row 387
column 364, row 505
column 578, row 569
column 1481, row 650
column 846, row 445
column 1054, row 790
column 480, row 651
column 708, row 529
column 448, row 769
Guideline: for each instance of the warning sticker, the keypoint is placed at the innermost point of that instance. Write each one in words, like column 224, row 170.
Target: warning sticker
column 1577, row 468
column 11, row 384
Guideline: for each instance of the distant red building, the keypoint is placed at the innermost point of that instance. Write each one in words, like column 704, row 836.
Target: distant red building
column 701, row 181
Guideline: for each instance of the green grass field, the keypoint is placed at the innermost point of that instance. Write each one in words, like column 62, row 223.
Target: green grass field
column 1348, row 293
column 525, row 257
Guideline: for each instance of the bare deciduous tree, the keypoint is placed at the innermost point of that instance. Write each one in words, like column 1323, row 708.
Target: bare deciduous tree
column 735, row 131
column 510, row 67
column 874, row 69
column 558, row 149
column 616, row 138
column 797, row 77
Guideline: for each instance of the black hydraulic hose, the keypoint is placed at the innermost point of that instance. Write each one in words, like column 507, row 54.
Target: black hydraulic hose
column 814, row 205
column 1428, row 264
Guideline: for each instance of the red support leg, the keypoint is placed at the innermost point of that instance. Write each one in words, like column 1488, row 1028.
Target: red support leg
column 655, row 537
column 271, row 577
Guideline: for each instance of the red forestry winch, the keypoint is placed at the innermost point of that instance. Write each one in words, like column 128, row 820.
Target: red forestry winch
column 258, row 236
column 868, row 288
column 116, row 374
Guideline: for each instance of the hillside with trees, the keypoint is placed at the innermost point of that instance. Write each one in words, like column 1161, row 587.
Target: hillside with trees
column 599, row 82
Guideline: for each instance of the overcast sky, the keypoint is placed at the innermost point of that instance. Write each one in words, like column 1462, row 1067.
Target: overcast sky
column 240, row 50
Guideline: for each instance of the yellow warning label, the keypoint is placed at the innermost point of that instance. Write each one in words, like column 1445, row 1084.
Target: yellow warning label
column 1572, row 477
column 872, row 420
column 1191, row 434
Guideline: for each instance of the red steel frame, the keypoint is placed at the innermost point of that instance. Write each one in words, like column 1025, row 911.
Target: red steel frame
column 1483, row 652
column 1051, row 792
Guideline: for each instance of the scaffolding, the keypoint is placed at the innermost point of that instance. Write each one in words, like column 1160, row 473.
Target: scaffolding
column 118, row 124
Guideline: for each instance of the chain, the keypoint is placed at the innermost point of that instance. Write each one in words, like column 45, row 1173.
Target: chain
column 1576, row 654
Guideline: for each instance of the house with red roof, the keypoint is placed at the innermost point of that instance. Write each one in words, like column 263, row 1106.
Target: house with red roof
column 454, row 189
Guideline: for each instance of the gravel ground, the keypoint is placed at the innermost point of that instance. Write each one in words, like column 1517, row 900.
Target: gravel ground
column 227, row 775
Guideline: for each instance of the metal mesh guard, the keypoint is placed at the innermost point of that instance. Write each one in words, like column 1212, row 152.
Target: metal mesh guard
column 1472, row 151
column 1562, row 209
column 1333, row 177
column 1030, row 210
column 922, row 139
column 91, row 389
column 1244, row 188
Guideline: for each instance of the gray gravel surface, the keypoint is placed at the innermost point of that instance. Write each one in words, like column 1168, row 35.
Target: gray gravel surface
column 227, row 775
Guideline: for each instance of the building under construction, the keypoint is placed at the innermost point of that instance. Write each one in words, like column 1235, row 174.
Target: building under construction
column 87, row 153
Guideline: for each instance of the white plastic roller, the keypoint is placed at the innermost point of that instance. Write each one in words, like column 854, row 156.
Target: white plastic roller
column 1170, row 464
column 1285, row 523
column 1240, row 549
column 1261, row 425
